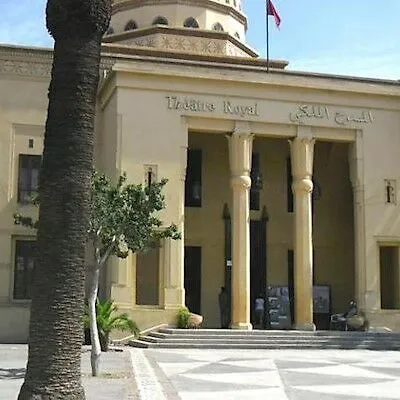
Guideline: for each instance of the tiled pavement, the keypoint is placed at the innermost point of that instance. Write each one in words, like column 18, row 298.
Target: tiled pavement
column 115, row 381
column 265, row 374
column 228, row 374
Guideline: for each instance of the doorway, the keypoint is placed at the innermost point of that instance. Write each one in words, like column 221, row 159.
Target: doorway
column 258, row 262
column 193, row 278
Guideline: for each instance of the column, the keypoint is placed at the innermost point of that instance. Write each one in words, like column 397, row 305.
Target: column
column 173, row 252
column 356, row 162
column 240, row 149
column 302, row 152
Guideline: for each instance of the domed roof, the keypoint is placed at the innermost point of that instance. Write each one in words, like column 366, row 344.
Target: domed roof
column 218, row 21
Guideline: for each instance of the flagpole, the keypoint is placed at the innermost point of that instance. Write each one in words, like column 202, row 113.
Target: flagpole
column 267, row 29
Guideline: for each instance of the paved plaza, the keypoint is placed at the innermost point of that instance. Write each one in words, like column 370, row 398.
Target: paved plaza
column 114, row 383
column 228, row 374
column 275, row 375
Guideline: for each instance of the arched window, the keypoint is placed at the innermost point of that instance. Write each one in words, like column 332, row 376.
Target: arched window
column 131, row 25
column 217, row 27
column 160, row 21
column 191, row 23
column 110, row 31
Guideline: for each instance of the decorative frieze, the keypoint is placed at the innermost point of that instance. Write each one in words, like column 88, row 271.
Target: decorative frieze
column 192, row 44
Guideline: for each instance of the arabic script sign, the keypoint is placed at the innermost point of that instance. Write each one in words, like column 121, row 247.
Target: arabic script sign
column 307, row 111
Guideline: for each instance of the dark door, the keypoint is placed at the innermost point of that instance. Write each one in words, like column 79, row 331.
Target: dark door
column 258, row 262
column 193, row 278
column 290, row 263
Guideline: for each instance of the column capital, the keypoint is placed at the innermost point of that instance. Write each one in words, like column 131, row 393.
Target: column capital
column 240, row 150
column 356, row 161
column 242, row 128
column 302, row 156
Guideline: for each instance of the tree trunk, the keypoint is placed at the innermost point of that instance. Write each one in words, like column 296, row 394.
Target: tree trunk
column 94, row 332
column 55, row 336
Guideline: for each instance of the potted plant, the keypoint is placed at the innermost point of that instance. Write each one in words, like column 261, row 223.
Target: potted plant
column 108, row 320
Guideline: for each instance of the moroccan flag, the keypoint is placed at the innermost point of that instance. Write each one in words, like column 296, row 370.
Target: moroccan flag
column 271, row 10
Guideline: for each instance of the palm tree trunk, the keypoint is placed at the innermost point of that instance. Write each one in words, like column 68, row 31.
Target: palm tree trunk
column 55, row 336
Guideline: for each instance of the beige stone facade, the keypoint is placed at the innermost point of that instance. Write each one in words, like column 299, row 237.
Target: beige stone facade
column 325, row 149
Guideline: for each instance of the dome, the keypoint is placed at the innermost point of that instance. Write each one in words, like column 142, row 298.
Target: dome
column 219, row 15
column 211, row 27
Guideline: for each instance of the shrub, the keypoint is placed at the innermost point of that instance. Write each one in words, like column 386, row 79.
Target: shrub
column 183, row 318
column 108, row 320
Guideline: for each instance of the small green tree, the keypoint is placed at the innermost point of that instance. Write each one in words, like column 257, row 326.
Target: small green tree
column 123, row 218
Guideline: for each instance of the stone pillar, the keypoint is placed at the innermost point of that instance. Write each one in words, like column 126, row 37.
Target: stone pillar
column 356, row 162
column 240, row 150
column 173, row 254
column 302, row 152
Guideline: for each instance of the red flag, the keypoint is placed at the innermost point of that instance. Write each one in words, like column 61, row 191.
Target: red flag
column 271, row 10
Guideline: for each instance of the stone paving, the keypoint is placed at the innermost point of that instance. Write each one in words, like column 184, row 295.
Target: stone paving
column 115, row 380
column 195, row 374
column 278, row 375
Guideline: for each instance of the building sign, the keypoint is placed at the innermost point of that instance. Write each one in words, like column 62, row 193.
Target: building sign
column 225, row 106
column 308, row 111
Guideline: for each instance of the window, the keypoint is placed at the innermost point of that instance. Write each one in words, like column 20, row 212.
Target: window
column 237, row 36
column 160, row 21
column 147, row 276
column 217, row 27
column 130, row 25
column 25, row 255
column 193, row 178
column 28, row 177
column 389, row 277
column 289, row 180
column 191, row 23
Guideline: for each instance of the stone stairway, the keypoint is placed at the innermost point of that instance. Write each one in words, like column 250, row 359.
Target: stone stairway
column 169, row 338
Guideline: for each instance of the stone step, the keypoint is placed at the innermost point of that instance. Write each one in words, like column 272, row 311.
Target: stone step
column 170, row 338
column 193, row 336
column 291, row 333
column 269, row 346
column 278, row 342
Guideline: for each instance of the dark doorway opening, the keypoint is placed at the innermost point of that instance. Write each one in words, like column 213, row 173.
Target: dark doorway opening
column 258, row 262
column 389, row 277
column 193, row 278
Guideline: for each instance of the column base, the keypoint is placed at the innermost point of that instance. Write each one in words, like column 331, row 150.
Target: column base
column 305, row 326
column 241, row 326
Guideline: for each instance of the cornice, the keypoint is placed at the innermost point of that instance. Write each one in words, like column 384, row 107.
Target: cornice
column 123, row 5
column 141, row 37
column 34, row 61
column 26, row 61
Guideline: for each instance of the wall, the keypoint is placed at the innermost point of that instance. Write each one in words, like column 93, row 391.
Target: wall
column 22, row 117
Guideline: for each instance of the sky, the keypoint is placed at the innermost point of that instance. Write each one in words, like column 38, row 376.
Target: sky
column 346, row 37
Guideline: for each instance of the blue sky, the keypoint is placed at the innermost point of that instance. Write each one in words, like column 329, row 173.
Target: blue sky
column 350, row 37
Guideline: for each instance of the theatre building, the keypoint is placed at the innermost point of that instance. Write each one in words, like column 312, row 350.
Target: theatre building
column 278, row 180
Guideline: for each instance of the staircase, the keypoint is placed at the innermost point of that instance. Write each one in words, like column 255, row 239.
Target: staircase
column 169, row 338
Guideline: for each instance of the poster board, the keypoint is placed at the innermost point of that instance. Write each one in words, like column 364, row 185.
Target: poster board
column 278, row 307
column 322, row 299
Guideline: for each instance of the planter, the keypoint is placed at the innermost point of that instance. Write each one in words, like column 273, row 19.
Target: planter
column 195, row 321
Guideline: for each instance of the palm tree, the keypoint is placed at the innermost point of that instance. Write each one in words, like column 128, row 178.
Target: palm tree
column 55, row 337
